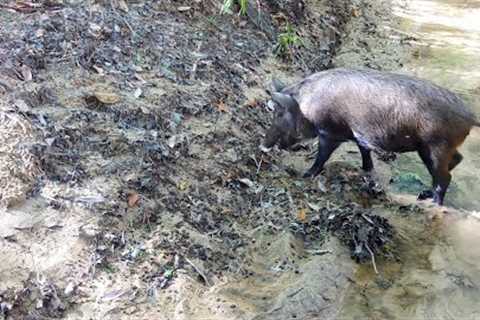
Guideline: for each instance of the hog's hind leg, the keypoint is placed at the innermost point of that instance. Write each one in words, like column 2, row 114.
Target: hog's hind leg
column 456, row 159
column 438, row 160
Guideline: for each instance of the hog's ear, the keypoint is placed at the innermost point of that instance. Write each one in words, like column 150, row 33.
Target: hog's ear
column 285, row 101
column 277, row 85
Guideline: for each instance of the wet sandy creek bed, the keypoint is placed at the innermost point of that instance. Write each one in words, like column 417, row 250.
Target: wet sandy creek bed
column 132, row 187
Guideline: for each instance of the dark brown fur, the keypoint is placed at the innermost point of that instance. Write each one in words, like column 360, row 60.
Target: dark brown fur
column 377, row 110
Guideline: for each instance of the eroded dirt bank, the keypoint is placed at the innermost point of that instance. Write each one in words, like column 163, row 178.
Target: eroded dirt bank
column 130, row 175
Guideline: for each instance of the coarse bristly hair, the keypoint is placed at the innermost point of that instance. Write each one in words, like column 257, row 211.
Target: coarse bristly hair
column 380, row 111
column 383, row 109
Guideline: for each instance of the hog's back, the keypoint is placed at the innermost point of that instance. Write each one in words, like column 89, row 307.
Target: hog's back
column 390, row 111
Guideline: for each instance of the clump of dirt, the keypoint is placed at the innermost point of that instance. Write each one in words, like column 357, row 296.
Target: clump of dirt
column 132, row 129
column 37, row 294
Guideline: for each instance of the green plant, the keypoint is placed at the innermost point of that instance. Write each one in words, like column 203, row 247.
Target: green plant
column 110, row 268
column 288, row 40
column 228, row 4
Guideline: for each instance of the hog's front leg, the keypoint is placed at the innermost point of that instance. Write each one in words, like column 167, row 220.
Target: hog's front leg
column 367, row 162
column 326, row 147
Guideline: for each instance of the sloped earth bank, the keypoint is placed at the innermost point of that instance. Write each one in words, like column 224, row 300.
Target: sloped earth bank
column 132, row 185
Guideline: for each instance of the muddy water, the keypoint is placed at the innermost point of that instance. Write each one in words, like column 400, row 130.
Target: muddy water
column 438, row 273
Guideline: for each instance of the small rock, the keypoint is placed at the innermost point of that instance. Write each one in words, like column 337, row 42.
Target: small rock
column 22, row 105
column 172, row 142
column 50, row 141
column 321, row 185
column 131, row 310
column 123, row 5
column 69, row 289
column 5, row 307
column 26, row 73
column 137, row 93
column 247, row 182
column 89, row 231
column 94, row 27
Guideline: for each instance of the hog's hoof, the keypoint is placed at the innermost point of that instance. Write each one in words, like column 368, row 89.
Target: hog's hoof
column 437, row 200
column 425, row 194
column 311, row 173
column 367, row 168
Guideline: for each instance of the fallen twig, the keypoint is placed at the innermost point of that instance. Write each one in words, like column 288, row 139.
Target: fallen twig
column 201, row 274
column 119, row 16
column 319, row 252
column 5, row 86
column 259, row 165
column 373, row 258
column 294, row 293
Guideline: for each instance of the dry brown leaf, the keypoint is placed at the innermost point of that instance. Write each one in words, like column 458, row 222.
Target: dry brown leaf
column 95, row 29
column 98, row 69
column 22, row 105
column 40, row 33
column 138, row 92
column 26, row 73
column 123, row 5
column 253, row 103
column 133, row 199
column 302, row 215
column 183, row 185
column 222, row 107
column 107, row 97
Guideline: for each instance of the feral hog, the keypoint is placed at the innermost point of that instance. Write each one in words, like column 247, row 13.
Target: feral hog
column 377, row 110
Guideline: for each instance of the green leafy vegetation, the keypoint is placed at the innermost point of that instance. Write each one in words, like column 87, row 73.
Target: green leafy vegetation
column 228, row 5
column 287, row 41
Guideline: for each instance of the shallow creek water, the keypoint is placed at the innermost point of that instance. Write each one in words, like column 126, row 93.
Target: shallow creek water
column 438, row 274
column 448, row 52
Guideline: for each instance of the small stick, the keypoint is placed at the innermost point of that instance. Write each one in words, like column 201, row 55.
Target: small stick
column 295, row 292
column 195, row 65
column 198, row 271
column 259, row 165
column 373, row 258
column 5, row 86
column 122, row 19
column 319, row 252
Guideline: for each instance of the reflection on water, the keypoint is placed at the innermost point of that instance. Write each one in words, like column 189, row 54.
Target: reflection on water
column 465, row 235
column 438, row 274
